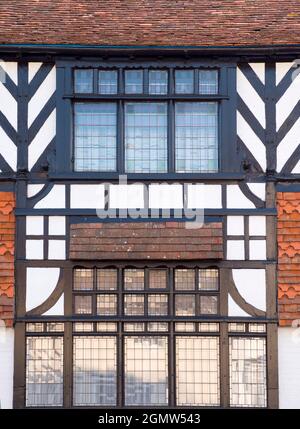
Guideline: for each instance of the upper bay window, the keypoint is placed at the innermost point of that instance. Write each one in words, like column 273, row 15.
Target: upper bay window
column 146, row 121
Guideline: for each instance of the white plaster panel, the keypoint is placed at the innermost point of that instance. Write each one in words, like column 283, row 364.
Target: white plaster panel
column 204, row 196
column 165, row 196
column 126, row 196
column 11, row 68
column 40, row 283
column 33, row 68
column 41, row 96
column 259, row 69
column 257, row 225
column 288, row 144
column 57, row 249
column 57, row 309
column 32, row 190
column 8, row 149
column 235, row 250
column 57, row 225
column 251, row 284
column 34, row 249
column 288, row 101
column 289, row 367
column 296, row 169
column 235, row 225
column 251, row 98
column 40, row 142
column 236, row 199
column 257, row 250
column 34, row 225
column 235, row 310
column 6, row 367
column 8, row 106
column 281, row 70
column 251, row 140
column 258, row 189
column 55, row 199
column 87, row 196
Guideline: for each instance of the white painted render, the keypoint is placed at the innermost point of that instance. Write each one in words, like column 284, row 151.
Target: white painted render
column 235, row 310
column 289, row 367
column 11, row 68
column 281, row 70
column 32, row 190
column 8, row 149
column 33, row 68
column 40, row 283
column 236, row 199
column 235, row 225
column 57, row 225
column 126, row 196
column 251, row 284
column 165, row 196
column 259, row 69
column 204, row 196
column 257, row 250
column 288, row 101
column 288, row 144
column 257, row 225
column 34, row 225
column 57, row 309
column 87, row 196
column 34, row 249
column 258, row 189
column 55, row 199
column 57, row 249
column 8, row 106
column 235, row 250
column 6, row 367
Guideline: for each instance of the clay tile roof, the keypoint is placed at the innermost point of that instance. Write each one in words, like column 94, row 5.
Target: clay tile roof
column 150, row 22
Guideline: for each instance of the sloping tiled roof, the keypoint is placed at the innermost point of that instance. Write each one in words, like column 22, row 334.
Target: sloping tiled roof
column 150, row 22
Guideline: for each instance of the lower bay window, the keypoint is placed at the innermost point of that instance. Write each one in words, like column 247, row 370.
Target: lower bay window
column 143, row 337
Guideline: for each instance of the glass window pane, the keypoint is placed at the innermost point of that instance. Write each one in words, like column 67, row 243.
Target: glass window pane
column 208, row 81
column 197, row 371
column 83, row 80
column 184, row 81
column 107, row 305
column 237, row 327
column 106, row 327
column 146, row 137
column 134, row 305
column 83, row 327
column 185, row 305
column 94, row 371
column 83, row 304
column 208, row 304
column 158, row 327
column 54, row 327
column 95, row 130
column 185, row 279
column 208, row 327
column 157, row 305
column 248, row 385
column 158, row 82
column 208, row 279
column 34, row 327
column 158, row 279
column 134, row 327
column 44, row 372
column 133, row 279
column 257, row 327
column 185, row 327
column 107, row 279
column 146, row 371
column 196, row 137
column 134, row 81
column 83, row 279
column 108, row 82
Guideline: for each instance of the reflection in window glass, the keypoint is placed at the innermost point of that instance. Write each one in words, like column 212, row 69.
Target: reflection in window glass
column 95, row 136
column 158, row 327
column 158, row 82
column 185, row 305
column 133, row 279
column 134, row 327
column 107, row 327
column 185, row 279
column 185, row 327
column 44, row 372
column 146, row 137
column 134, row 305
column 158, row 279
column 146, row 371
column 94, row 371
column 83, row 279
column 184, row 81
column 196, row 137
column 157, row 305
column 83, row 81
column 134, row 81
column 208, row 81
column 83, row 304
column 208, row 304
column 208, row 279
column 108, row 82
column 107, row 279
column 106, row 305
column 247, row 358
column 197, row 371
